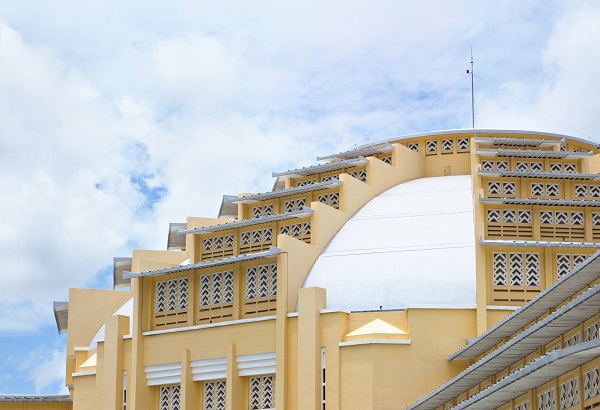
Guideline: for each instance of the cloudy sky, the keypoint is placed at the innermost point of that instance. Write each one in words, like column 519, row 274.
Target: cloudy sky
column 117, row 118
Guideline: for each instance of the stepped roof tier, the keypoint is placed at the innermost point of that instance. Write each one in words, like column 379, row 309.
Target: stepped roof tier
column 454, row 269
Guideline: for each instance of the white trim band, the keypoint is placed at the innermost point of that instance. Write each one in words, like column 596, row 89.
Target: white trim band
column 161, row 374
column 209, row 369
column 256, row 364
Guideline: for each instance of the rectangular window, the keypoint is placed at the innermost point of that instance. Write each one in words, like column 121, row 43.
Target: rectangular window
column 217, row 247
column 332, row 199
column 431, row 147
column 591, row 332
column 323, row 378
column 361, row 175
column 463, row 144
column 536, row 166
column 567, row 262
column 591, row 384
column 487, row 165
column 171, row 295
column 547, row 400
column 216, row 288
column 214, row 395
column 569, row 393
column 261, row 281
column 523, row 406
column 125, row 390
column 447, row 146
column 522, row 166
column 515, row 276
column 262, row 393
column 170, row 397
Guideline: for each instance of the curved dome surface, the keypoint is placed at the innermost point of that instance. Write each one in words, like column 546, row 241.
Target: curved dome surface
column 411, row 246
column 126, row 309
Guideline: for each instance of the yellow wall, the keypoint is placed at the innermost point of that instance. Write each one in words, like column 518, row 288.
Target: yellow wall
column 362, row 372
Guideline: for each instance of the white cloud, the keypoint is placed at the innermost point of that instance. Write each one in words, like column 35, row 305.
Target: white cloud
column 106, row 104
column 45, row 368
column 560, row 90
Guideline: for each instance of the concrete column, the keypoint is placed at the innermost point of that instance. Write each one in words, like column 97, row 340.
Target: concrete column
column 140, row 395
column 234, row 397
column 281, row 326
column 189, row 390
column 111, row 377
column 310, row 303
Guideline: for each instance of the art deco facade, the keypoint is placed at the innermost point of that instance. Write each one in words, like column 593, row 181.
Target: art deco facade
column 453, row 269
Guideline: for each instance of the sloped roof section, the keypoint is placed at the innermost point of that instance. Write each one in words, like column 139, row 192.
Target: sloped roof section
column 228, row 210
column 377, row 326
column 61, row 315
column 583, row 275
column 34, row 398
column 121, row 265
column 176, row 242
column 365, row 152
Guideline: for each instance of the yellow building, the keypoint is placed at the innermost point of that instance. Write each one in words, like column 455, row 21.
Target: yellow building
column 453, row 269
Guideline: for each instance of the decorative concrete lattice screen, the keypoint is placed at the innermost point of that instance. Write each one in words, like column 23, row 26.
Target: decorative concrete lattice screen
column 170, row 397
column 591, row 384
column 216, row 288
column 262, row 393
column 547, row 400
column 214, row 395
column 516, row 268
column 171, row 295
column 566, row 262
column 569, row 393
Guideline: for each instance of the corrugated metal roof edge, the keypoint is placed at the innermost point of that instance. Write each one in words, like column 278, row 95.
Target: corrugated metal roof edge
column 483, row 131
column 324, row 167
column 530, row 331
column 273, row 251
column 34, row 398
column 385, row 147
column 287, row 191
column 532, row 367
column 548, row 292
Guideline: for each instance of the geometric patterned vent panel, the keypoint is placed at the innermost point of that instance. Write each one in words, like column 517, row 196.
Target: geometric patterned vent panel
column 262, row 393
column 214, row 395
column 591, row 384
column 569, row 393
column 262, row 285
column 170, row 397
column 516, row 269
column 566, row 262
column 171, row 295
column 547, row 400
column 216, row 288
column 523, row 406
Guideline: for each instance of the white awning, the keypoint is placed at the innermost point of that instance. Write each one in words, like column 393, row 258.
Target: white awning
column 272, row 252
column 519, row 142
column 539, row 201
column 544, row 175
column 250, row 199
column 534, row 374
column 529, row 153
column 582, row 308
column 301, row 213
column 317, row 169
column 381, row 148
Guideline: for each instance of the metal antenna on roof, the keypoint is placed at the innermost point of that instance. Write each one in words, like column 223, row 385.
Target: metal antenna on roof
column 472, row 90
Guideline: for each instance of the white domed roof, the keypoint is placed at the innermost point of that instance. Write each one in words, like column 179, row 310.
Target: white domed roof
column 411, row 246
